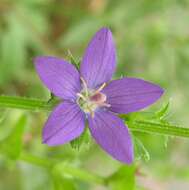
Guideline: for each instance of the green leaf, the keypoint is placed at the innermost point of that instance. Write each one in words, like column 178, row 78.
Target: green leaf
column 52, row 96
column 73, row 61
column 66, row 170
column 60, row 182
column 12, row 145
column 157, row 116
column 83, row 139
column 163, row 110
column 140, row 151
column 63, row 169
column 53, row 100
column 139, row 115
column 123, row 178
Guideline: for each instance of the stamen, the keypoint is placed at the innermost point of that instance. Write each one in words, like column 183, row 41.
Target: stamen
column 81, row 96
column 100, row 88
column 91, row 100
column 84, row 86
column 106, row 105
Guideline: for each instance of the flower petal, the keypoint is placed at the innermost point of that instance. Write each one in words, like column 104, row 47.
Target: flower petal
column 112, row 135
column 59, row 76
column 64, row 124
column 130, row 94
column 99, row 60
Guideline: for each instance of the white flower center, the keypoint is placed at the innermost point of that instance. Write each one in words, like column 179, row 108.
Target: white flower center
column 89, row 100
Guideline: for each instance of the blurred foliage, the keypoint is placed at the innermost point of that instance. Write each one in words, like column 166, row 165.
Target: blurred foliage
column 11, row 146
column 123, row 178
column 152, row 40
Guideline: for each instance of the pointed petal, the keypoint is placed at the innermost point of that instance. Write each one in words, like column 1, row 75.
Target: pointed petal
column 99, row 60
column 64, row 124
column 112, row 135
column 59, row 76
column 130, row 94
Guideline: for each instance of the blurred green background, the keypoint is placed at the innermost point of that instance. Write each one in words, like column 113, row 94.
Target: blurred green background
column 152, row 40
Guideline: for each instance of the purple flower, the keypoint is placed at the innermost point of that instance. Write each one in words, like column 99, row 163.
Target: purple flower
column 89, row 94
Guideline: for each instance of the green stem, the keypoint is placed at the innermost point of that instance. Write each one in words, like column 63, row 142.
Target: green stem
column 63, row 169
column 158, row 128
column 42, row 162
column 82, row 175
column 25, row 103
column 136, row 125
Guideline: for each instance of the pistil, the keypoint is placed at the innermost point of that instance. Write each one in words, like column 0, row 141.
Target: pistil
column 89, row 100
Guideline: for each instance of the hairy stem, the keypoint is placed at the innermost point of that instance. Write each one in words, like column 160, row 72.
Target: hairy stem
column 135, row 125
column 158, row 128
column 25, row 103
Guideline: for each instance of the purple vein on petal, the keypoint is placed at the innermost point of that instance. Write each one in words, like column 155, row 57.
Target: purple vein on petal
column 59, row 76
column 131, row 94
column 65, row 123
column 99, row 61
column 112, row 135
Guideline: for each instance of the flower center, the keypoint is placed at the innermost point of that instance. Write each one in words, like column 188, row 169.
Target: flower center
column 89, row 100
